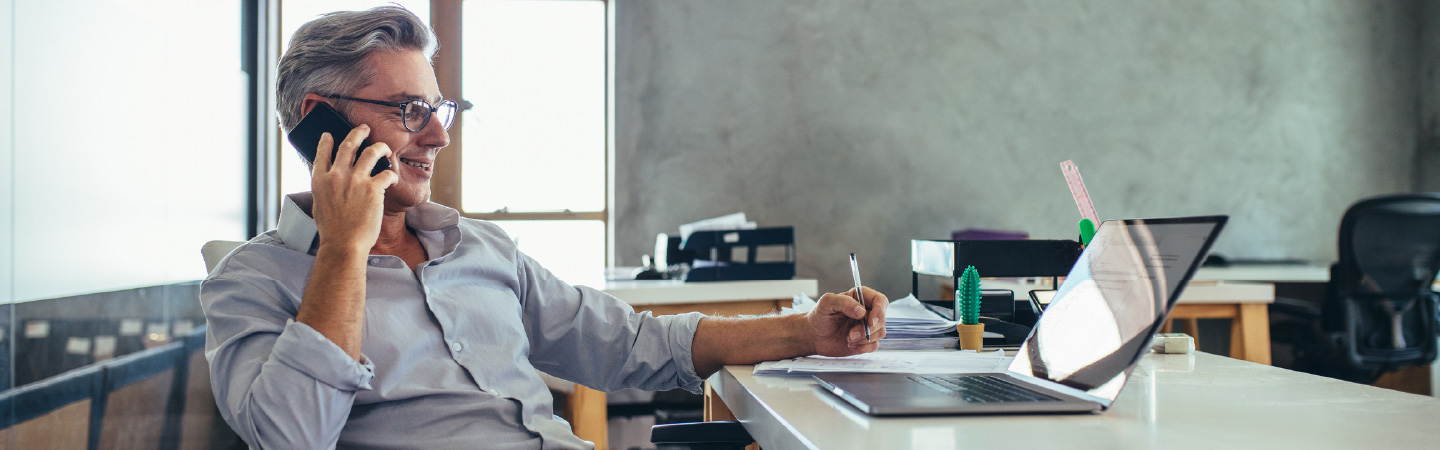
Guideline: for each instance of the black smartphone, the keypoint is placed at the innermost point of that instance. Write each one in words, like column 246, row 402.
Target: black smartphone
column 324, row 119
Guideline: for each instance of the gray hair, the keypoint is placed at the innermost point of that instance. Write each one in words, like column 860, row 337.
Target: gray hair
column 327, row 55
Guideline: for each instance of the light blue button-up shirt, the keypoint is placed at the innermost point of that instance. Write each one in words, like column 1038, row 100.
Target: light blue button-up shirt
column 449, row 352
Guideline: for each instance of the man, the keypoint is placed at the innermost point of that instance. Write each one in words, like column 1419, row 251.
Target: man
column 373, row 318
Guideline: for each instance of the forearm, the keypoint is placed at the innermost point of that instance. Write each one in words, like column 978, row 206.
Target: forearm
column 334, row 301
column 720, row 341
column 285, row 407
column 278, row 383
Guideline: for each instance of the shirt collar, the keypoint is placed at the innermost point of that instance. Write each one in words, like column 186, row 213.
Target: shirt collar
column 297, row 230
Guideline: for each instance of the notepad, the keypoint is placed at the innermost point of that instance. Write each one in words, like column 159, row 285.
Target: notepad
column 891, row 362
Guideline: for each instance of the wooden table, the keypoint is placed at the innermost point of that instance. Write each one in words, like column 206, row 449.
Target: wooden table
column 1190, row 401
column 586, row 407
column 1245, row 303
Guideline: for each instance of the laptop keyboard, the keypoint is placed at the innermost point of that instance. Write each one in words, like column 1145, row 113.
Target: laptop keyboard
column 981, row 388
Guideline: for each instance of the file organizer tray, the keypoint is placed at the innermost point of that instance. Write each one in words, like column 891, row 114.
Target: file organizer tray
column 993, row 259
column 713, row 251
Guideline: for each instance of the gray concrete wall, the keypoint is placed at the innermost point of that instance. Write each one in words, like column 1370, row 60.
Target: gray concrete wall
column 1427, row 156
column 865, row 124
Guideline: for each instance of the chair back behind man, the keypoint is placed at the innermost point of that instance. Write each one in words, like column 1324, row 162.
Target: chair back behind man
column 57, row 413
column 198, row 413
column 214, row 251
column 138, row 389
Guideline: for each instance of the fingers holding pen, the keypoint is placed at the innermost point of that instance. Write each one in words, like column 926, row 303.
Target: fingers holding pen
column 870, row 311
column 878, row 303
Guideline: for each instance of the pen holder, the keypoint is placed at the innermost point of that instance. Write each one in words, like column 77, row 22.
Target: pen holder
column 971, row 336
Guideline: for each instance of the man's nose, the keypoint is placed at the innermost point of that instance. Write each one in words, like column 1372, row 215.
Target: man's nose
column 434, row 134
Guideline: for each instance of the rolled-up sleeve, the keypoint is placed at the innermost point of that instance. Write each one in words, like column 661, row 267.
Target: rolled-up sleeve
column 592, row 338
column 277, row 382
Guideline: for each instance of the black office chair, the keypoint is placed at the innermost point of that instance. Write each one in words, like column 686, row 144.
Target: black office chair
column 1379, row 311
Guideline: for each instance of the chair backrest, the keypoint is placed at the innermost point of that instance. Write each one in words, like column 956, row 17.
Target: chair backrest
column 57, row 413
column 198, row 413
column 138, row 389
column 1380, row 293
column 214, row 251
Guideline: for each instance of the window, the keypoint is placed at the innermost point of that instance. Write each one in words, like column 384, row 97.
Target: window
column 535, row 155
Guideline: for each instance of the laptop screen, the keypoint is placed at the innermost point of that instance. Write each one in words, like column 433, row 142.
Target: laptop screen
column 1109, row 306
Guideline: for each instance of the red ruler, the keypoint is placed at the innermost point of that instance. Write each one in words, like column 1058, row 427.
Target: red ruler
column 1077, row 190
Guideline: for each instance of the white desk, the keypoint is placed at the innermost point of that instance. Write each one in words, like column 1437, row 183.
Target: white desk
column 1197, row 401
column 586, row 407
column 1269, row 273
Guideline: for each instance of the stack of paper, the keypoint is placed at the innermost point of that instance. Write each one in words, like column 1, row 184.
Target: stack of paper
column 908, row 318
column 967, row 361
column 929, row 343
column 905, row 319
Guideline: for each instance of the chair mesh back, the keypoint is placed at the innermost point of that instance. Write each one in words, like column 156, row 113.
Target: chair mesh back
column 1389, row 256
column 1396, row 246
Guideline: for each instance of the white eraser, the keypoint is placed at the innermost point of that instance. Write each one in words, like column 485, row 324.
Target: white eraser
column 1173, row 343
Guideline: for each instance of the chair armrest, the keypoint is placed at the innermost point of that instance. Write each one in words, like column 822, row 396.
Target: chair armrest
column 718, row 434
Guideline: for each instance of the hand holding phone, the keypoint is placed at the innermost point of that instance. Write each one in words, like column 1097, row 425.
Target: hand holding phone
column 324, row 119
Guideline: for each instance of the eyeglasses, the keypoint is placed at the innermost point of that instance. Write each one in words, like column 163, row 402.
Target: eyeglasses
column 415, row 114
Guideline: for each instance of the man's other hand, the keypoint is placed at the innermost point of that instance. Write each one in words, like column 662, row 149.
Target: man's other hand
column 836, row 325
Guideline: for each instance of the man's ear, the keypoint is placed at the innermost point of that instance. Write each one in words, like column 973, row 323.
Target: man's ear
column 308, row 103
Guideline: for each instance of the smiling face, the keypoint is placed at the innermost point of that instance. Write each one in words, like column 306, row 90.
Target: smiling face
column 402, row 76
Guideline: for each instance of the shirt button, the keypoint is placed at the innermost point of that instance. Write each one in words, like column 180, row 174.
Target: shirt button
column 456, row 347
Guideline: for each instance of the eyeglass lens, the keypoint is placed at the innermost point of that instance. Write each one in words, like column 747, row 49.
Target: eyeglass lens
column 417, row 114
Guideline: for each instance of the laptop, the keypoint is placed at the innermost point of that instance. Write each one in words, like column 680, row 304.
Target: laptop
column 1084, row 345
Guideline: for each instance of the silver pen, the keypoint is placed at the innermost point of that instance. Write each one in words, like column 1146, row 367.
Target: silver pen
column 855, row 272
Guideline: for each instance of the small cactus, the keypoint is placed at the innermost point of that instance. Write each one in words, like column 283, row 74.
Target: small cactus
column 967, row 297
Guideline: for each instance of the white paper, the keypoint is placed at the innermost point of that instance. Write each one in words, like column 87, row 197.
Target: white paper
column 726, row 222
column 905, row 318
column 931, row 343
column 131, row 327
column 799, row 304
column 182, row 328
column 908, row 318
column 37, row 329
column 77, row 346
column 156, row 330
column 892, row 362
column 104, row 347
